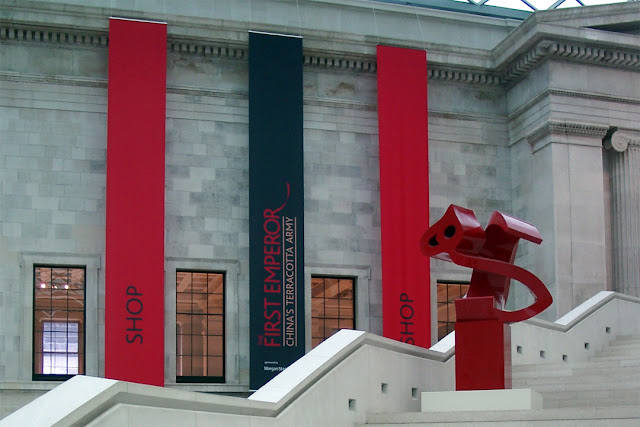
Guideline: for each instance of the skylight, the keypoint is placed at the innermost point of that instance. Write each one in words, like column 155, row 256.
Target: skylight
column 531, row 5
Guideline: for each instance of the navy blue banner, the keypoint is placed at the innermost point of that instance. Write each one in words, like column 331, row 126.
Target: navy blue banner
column 276, row 205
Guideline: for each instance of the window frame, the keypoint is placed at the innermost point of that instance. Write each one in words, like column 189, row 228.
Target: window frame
column 196, row 379
column 362, row 276
column 233, row 333
column 354, row 285
column 81, row 361
column 93, row 310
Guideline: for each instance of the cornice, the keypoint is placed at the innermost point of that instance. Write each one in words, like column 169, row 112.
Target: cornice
column 358, row 63
column 59, row 36
column 443, row 73
column 606, row 56
column 592, row 52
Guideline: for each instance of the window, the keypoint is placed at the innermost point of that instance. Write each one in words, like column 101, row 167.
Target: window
column 332, row 306
column 447, row 294
column 199, row 327
column 58, row 322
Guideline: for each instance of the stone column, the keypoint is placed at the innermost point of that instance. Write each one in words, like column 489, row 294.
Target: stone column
column 623, row 152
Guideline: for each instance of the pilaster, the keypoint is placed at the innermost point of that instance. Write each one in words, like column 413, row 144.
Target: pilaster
column 570, row 211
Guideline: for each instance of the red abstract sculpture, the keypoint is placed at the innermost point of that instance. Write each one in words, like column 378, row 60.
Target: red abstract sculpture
column 482, row 330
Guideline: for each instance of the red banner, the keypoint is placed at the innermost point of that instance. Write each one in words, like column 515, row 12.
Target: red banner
column 134, row 273
column 404, row 193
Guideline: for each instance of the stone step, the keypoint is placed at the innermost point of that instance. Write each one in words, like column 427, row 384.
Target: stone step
column 534, row 371
column 564, row 369
column 627, row 338
column 630, row 361
column 590, row 398
column 588, row 403
column 600, row 375
column 632, row 384
column 593, row 364
column 610, row 416
column 627, row 348
column 624, row 344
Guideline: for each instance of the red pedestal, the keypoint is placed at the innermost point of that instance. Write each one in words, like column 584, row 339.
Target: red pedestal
column 483, row 346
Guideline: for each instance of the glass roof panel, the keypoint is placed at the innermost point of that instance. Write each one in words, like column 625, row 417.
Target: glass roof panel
column 538, row 4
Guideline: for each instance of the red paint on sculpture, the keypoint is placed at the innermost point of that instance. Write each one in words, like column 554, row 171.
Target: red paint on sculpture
column 481, row 322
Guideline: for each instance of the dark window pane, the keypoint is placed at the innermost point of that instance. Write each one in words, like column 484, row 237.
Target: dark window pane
column 183, row 323
column 42, row 277
column 197, row 366
column 199, row 303
column 317, row 328
column 215, row 282
column 42, row 298
column 198, row 346
column 215, row 325
column 183, row 281
column 346, row 324
column 183, row 303
column 199, row 283
column 331, row 288
column 185, row 366
column 37, row 341
column 215, row 346
column 442, row 330
column 76, row 317
column 317, row 287
column 346, row 309
column 183, row 344
column 442, row 292
column 451, row 312
column 332, row 306
column 215, row 366
column 199, row 325
column 215, row 304
column 77, row 279
column 59, row 299
column 317, row 307
column 75, row 299
column 331, row 326
column 346, row 288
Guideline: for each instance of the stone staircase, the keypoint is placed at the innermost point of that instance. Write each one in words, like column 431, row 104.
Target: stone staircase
column 603, row 391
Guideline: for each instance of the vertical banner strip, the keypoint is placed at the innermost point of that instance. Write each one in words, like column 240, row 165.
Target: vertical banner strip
column 404, row 193
column 134, row 273
column 276, row 205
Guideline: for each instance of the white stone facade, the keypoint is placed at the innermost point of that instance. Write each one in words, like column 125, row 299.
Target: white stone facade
column 518, row 111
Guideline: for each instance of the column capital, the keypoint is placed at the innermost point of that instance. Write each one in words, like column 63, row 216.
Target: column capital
column 620, row 139
column 566, row 133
